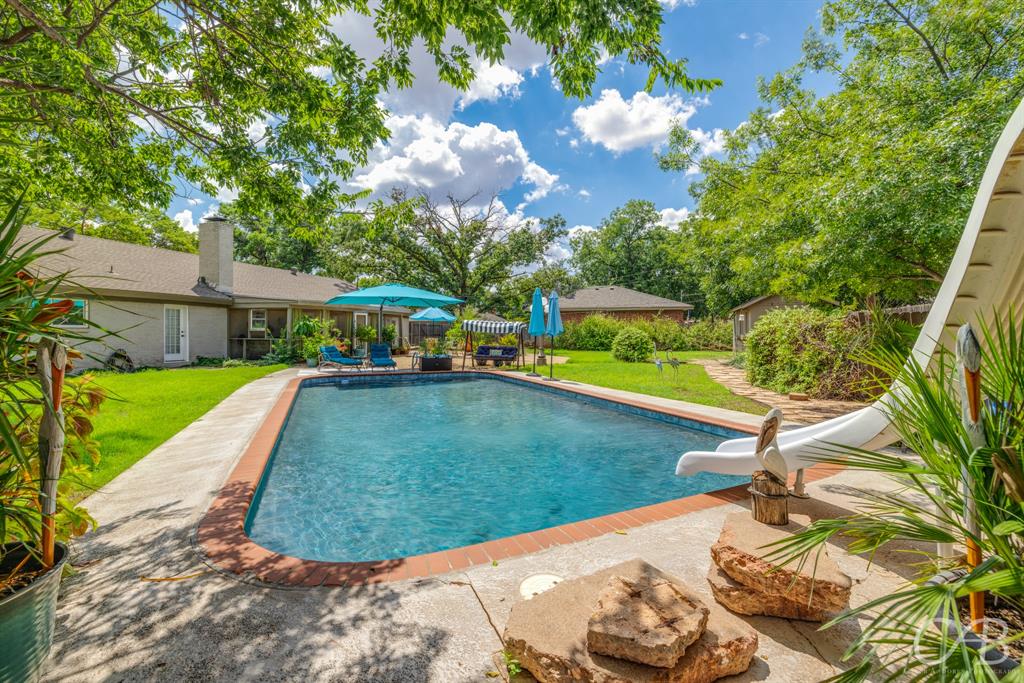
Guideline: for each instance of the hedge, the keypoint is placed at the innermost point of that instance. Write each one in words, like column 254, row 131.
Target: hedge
column 597, row 332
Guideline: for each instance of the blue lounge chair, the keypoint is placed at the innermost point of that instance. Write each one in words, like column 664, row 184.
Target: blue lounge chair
column 330, row 356
column 380, row 356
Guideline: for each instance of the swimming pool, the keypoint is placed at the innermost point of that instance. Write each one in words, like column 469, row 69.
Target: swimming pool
column 372, row 470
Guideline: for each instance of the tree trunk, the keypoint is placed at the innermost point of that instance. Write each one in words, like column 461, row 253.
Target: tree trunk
column 769, row 498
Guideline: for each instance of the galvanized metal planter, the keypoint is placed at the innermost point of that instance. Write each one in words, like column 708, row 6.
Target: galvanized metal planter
column 26, row 620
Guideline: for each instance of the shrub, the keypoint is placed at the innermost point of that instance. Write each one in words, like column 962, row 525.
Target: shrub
column 705, row 334
column 632, row 345
column 664, row 332
column 388, row 333
column 808, row 350
column 593, row 333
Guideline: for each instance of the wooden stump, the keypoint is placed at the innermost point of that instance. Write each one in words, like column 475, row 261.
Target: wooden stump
column 770, row 500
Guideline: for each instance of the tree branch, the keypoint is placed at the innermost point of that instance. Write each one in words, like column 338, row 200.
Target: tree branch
column 927, row 43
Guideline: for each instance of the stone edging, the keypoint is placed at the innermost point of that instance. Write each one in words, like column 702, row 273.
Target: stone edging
column 222, row 539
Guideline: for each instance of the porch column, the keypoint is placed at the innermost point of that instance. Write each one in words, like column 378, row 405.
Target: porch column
column 288, row 323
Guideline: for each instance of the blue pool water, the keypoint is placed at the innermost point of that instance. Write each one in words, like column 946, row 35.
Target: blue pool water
column 372, row 472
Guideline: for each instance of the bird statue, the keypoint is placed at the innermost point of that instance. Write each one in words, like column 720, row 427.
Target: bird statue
column 674, row 362
column 767, row 450
column 661, row 369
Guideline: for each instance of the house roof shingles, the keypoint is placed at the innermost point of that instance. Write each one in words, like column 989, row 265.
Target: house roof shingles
column 133, row 269
column 614, row 297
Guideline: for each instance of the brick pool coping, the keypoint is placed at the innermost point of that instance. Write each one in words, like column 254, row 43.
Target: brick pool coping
column 221, row 532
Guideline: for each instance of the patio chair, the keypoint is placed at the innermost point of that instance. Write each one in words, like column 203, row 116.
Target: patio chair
column 380, row 356
column 330, row 356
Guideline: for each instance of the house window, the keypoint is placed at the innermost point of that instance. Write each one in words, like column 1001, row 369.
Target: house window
column 76, row 318
column 257, row 320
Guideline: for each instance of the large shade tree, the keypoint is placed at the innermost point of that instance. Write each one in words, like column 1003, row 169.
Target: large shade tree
column 632, row 248
column 864, row 192
column 126, row 98
column 463, row 247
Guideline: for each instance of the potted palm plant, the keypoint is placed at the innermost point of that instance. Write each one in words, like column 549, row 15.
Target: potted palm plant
column 963, row 495
column 34, row 515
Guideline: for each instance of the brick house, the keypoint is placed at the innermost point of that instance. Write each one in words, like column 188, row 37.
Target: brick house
column 620, row 302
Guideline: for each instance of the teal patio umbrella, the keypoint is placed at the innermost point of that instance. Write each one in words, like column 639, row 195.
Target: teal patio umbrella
column 432, row 315
column 537, row 327
column 393, row 294
column 554, row 326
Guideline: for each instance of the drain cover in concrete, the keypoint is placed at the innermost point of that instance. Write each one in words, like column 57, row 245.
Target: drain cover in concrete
column 537, row 584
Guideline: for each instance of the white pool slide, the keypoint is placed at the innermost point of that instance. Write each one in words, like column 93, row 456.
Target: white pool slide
column 984, row 280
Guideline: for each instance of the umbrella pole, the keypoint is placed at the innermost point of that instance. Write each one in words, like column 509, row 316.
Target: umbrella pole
column 380, row 320
column 551, row 360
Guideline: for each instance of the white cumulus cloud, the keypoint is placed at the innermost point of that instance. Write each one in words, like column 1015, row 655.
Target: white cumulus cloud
column 760, row 39
column 622, row 125
column 457, row 159
column 186, row 220
column 671, row 218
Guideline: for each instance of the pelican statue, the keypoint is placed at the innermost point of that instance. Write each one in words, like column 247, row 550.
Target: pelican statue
column 767, row 450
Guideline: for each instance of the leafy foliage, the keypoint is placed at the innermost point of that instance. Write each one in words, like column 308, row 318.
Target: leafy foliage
column 632, row 249
column 632, row 345
column 111, row 221
column 29, row 307
column 593, row 333
column 807, row 350
column 928, row 506
column 823, row 353
column 597, row 332
column 117, row 100
column 458, row 248
column 513, row 297
column 704, row 334
column 865, row 191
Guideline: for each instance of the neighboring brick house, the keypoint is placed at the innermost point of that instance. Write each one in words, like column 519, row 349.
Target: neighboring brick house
column 171, row 307
column 620, row 302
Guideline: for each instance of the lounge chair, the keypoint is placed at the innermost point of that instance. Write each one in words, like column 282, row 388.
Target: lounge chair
column 380, row 356
column 330, row 356
column 983, row 281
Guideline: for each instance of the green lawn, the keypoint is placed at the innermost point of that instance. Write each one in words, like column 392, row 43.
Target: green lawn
column 692, row 384
column 146, row 408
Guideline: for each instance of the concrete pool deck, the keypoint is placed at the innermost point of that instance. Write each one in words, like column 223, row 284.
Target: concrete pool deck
column 143, row 605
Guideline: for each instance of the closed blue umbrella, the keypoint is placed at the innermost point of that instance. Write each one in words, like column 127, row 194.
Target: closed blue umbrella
column 554, row 326
column 432, row 315
column 537, row 327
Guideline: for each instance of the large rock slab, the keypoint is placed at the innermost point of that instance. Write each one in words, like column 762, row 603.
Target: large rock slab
column 649, row 623
column 819, row 583
column 742, row 600
column 548, row 635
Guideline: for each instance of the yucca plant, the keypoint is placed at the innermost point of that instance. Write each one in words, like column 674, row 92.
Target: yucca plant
column 31, row 305
column 958, row 490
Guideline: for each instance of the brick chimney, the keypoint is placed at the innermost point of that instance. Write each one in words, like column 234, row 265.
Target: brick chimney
column 216, row 253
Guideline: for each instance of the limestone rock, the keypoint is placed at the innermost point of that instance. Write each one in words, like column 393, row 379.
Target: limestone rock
column 819, row 584
column 548, row 635
column 646, row 623
column 743, row 600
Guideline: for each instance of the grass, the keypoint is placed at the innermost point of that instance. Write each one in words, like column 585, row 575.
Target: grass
column 144, row 409
column 693, row 384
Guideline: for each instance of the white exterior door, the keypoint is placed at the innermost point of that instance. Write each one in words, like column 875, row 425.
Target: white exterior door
column 175, row 333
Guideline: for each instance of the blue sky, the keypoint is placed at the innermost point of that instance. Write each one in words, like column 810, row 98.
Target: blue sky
column 516, row 135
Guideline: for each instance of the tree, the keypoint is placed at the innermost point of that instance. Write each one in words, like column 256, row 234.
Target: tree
column 151, row 227
column 308, row 236
column 121, row 98
column 458, row 248
column 513, row 297
column 631, row 248
column 864, row 192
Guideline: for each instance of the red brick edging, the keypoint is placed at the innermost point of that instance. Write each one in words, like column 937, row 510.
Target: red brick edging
column 222, row 538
